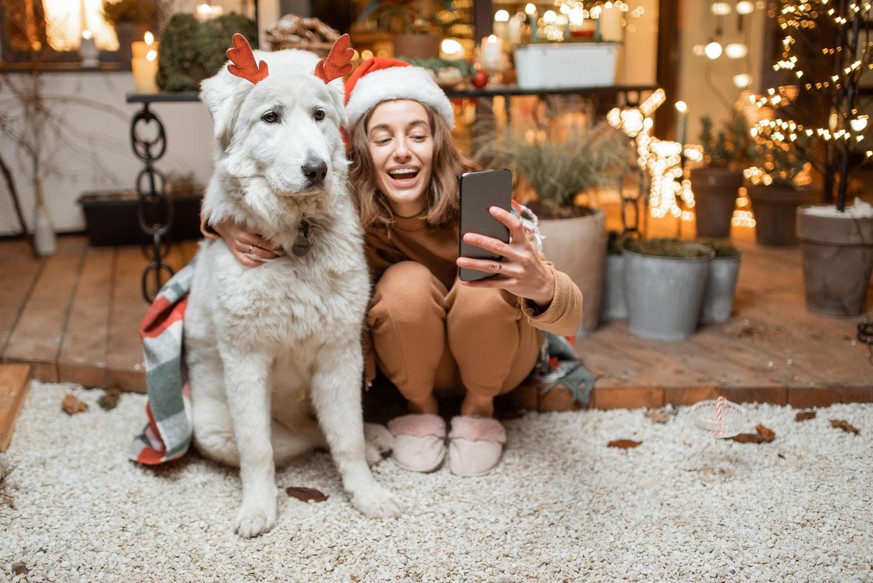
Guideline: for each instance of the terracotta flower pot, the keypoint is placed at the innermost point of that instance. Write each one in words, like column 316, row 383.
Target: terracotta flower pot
column 715, row 197
column 775, row 210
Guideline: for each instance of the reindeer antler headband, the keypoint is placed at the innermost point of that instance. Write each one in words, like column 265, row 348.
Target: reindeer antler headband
column 243, row 65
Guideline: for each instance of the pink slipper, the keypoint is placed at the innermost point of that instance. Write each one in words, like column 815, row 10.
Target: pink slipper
column 419, row 442
column 475, row 445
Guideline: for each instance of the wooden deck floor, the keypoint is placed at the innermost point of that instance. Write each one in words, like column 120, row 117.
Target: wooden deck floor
column 75, row 317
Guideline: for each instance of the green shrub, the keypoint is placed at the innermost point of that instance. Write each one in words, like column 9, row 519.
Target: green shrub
column 192, row 51
column 135, row 11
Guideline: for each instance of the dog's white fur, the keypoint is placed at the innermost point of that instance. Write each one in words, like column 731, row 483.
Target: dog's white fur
column 273, row 348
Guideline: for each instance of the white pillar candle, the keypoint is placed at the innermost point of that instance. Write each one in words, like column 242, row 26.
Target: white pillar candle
column 145, row 64
column 491, row 52
column 610, row 24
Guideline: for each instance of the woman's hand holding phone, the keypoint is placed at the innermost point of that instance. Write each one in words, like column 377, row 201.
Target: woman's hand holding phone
column 522, row 271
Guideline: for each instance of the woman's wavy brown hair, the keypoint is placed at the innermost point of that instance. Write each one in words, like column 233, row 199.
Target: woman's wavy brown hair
column 449, row 163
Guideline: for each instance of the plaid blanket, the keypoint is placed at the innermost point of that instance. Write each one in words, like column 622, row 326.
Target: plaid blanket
column 168, row 433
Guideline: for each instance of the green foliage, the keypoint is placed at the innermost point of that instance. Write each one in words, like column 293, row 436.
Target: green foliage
column 134, row 11
column 667, row 247
column 558, row 160
column 722, row 247
column 402, row 16
column 779, row 162
column 192, row 51
column 466, row 68
column 731, row 146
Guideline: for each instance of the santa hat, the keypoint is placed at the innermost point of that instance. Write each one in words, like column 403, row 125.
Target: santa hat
column 380, row 79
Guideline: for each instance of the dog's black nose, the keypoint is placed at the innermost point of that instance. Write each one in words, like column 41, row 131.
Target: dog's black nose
column 315, row 171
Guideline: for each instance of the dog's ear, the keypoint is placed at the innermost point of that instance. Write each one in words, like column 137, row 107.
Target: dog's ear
column 223, row 95
column 337, row 97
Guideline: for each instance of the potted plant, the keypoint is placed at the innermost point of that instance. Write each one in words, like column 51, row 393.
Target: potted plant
column 836, row 238
column 665, row 283
column 416, row 33
column 613, row 303
column 716, row 184
column 131, row 20
column 721, row 283
column 558, row 165
column 112, row 216
column 780, row 182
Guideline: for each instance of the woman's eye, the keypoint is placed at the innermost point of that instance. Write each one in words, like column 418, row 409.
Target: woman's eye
column 270, row 117
column 318, row 114
column 419, row 138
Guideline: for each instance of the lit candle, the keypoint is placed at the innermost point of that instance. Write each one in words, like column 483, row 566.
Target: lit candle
column 532, row 17
column 206, row 11
column 145, row 64
column 501, row 25
column 682, row 108
column 491, row 52
column 88, row 50
column 515, row 25
column 610, row 23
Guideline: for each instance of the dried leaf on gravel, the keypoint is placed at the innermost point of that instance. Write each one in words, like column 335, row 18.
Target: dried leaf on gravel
column 624, row 443
column 804, row 416
column 658, row 415
column 763, row 435
column 20, row 568
column 845, row 426
column 306, row 494
column 110, row 398
column 71, row 405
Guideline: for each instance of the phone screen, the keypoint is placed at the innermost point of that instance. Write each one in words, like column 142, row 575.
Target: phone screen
column 479, row 192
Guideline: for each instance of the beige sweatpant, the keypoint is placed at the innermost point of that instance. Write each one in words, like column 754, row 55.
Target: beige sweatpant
column 431, row 340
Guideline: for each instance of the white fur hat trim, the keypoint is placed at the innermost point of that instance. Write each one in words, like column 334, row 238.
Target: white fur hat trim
column 397, row 83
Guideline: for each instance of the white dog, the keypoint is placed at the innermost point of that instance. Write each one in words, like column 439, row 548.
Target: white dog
column 271, row 348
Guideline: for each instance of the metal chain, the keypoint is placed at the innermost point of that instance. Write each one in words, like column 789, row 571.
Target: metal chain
column 155, row 208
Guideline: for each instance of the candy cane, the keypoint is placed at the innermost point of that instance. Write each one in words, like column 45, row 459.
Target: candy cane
column 720, row 410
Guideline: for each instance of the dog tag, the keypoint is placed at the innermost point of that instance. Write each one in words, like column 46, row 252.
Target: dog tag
column 302, row 244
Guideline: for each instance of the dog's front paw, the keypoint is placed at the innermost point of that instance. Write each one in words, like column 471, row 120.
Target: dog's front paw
column 256, row 517
column 377, row 502
column 378, row 442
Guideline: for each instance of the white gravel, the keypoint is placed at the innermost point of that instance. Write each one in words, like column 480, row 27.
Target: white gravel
column 561, row 507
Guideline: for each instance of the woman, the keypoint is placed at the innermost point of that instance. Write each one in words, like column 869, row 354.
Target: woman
column 429, row 332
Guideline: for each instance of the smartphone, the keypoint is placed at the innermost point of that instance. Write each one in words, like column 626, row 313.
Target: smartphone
column 479, row 191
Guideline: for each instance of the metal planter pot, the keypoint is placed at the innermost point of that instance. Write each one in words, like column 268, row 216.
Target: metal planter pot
column 721, row 285
column 613, row 304
column 664, row 294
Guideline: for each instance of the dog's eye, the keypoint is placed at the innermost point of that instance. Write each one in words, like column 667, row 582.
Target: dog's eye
column 270, row 117
column 318, row 114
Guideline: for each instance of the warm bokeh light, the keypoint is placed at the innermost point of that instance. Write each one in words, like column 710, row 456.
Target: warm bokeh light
column 64, row 24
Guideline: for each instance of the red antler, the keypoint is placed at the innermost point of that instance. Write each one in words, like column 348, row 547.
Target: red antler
column 338, row 61
column 243, row 60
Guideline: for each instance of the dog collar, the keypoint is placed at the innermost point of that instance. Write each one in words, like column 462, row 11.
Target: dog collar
column 302, row 244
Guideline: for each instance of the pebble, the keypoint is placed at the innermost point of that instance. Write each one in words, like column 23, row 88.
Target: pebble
column 561, row 507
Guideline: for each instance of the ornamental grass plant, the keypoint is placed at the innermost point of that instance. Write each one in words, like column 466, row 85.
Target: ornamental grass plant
column 558, row 160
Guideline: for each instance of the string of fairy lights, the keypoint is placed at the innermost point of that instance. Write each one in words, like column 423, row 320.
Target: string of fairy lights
column 847, row 124
column 782, row 144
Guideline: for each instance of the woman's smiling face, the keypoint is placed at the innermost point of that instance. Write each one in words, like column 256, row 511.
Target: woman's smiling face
column 401, row 146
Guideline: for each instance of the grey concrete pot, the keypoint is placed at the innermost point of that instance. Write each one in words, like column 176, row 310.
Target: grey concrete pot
column 837, row 262
column 721, row 285
column 664, row 294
